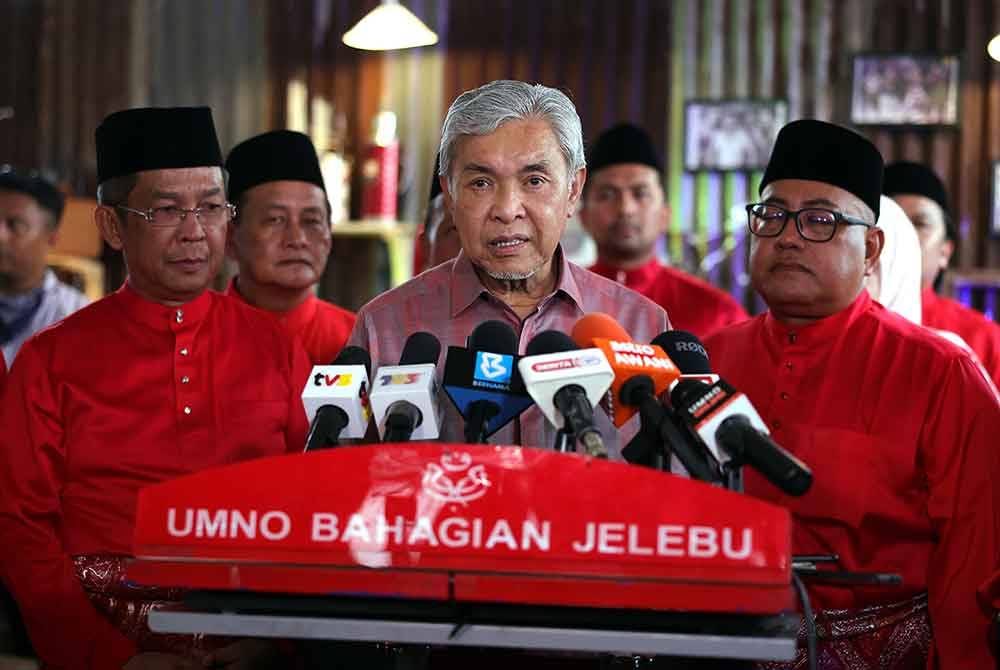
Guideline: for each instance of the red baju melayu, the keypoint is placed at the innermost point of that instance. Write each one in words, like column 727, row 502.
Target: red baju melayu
column 692, row 304
column 900, row 429
column 122, row 394
column 321, row 327
column 981, row 334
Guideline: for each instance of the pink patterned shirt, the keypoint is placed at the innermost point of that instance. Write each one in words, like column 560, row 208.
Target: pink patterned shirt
column 450, row 301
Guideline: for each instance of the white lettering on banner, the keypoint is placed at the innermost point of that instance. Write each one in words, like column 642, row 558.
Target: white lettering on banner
column 637, row 361
column 324, row 527
column 284, row 525
column 632, row 348
column 457, row 532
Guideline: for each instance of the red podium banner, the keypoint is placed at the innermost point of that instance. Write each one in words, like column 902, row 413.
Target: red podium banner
column 466, row 522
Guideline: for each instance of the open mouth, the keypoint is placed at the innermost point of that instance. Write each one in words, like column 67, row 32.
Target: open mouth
column 508, row 244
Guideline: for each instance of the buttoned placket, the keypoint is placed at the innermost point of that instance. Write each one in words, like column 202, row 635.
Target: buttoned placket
column 184, row 367
column 790, row 370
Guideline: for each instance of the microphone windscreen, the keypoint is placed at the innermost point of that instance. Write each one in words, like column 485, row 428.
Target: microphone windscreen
column 598, row 324
column 550, row 342
column 495, row 337
column 420, row 348
column 354, row 356
column 686, row 351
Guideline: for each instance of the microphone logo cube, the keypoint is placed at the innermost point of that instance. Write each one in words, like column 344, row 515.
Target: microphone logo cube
column 415, row 384
column 493, row 368
column 344, row 386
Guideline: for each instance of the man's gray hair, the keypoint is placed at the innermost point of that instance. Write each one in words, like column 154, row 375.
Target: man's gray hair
column 482, row 110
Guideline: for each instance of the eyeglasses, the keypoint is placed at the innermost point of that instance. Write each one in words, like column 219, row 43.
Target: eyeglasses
column 171, row 216
column 814, row 223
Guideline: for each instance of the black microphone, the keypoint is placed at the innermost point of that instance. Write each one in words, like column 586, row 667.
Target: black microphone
column 483, row 381
column 336, row 398
column 404, row 396
column 724, row 417
column 566, row 382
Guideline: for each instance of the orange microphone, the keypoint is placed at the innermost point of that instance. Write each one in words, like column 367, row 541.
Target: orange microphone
column 628, row 359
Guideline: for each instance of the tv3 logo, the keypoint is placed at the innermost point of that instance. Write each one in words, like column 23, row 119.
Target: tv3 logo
column 320, row 379
column 493, row 367
column 399, row 379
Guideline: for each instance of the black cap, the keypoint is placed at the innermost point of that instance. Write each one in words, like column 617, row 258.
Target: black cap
column 156, row 138
column 623, row 143
column 35, row 185
column 907, row 177
column 821, row 151
column 280, row 155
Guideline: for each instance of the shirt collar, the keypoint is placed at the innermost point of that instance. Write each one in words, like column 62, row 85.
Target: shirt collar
column 635, row 277
column 295, row 318
column 466, row 286
column 823, row 331
column 162, row 317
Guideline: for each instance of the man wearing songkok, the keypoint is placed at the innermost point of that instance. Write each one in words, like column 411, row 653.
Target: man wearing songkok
column 512, row 170
column 922, row 196
column 437, row 240
column 31, row 297
column 147, row 384
column 624, row 209
column 898, row 425
column 280, row 238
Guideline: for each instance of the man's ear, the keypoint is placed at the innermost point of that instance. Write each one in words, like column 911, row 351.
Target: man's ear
column 665, row 216
column 874, row 242
column 947, row 249
column 231, row 247
column 576, row 190
column 109, row 225
column 449, row 200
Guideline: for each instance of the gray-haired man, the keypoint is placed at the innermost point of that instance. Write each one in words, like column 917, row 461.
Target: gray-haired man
column 512, row 170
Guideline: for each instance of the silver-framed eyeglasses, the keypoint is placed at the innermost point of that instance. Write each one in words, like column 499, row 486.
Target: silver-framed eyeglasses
column 815, row 224
column 171, row 216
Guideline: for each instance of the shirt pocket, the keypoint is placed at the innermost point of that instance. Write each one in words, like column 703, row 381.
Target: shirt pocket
column 254, row 429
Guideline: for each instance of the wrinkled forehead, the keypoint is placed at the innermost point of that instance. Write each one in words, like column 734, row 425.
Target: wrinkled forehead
column 180, row 181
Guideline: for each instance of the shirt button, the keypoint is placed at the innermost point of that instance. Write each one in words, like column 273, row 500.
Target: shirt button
column 776, row 424
column 789, row 366
column 180, row 316
column 187, row 410
column 185, row 379
column 792, row 337
column 784, row 396
column 184, row 351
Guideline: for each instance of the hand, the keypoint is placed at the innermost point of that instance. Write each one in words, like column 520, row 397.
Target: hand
column 158, row 661
column 248, row 654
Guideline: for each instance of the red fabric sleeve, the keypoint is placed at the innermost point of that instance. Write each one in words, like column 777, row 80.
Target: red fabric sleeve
column 962, row 464
column 66, row 630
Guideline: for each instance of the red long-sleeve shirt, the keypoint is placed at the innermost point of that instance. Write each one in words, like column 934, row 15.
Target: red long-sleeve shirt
column 900, row 429
column 981, row 334
column 693, row 305
column 122, row 394
column 321, row 327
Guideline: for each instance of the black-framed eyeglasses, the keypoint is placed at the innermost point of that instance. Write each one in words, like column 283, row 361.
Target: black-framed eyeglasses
column 815, row 224
column 171, row 216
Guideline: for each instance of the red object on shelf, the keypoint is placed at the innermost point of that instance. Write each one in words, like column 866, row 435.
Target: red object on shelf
column 473, row 523
column 380, row 175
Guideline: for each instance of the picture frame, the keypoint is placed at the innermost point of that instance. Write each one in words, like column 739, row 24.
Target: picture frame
column 733, row 134
column 914, row 90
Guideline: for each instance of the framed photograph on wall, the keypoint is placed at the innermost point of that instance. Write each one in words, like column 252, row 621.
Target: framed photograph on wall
column 904, row 89
column 727, row 135
column 995, row 206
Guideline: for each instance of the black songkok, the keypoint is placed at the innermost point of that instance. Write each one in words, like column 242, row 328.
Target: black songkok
column 906, row 177
column 34, row 185
column 624, row 143
column 280, row 155
column 156, row 138
column 820, row 151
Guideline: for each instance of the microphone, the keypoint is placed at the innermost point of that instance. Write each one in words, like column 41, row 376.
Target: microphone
column 335, row 398
column 628, row 360
column 404, row 396
column 724, row 417
column 688, row 353
column 566, row 382
column 483, row 381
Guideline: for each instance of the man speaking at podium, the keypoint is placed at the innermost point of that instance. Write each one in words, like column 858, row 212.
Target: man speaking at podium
column 160, row 379
column 512, row 171
column 898, row 425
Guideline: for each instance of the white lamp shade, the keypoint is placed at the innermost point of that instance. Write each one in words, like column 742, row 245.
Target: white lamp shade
column 993, row 48
column 389, row 26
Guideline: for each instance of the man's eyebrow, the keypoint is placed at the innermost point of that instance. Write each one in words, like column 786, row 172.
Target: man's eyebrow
column 476, row 167
column 540, row 166
column 174, row 195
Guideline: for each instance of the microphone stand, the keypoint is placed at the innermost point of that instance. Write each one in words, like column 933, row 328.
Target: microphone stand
column 565, row 441
column 480, row 414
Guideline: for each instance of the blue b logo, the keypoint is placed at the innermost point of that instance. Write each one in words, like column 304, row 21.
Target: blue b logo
column 496, row 368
